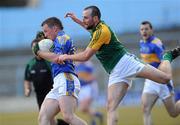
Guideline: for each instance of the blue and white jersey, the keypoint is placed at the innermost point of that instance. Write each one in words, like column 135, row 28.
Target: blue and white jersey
column 63, row 44
column 85, row 72
column 151, row 51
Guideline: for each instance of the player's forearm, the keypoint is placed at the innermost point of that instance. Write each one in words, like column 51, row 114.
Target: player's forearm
column 27, row 88
column 27, row 84
column 52, row 57
column 78, row 57
column 82, row 56
column 78, row 21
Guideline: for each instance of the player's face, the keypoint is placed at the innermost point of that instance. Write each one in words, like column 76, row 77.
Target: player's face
column 88, row 20
column 50, row 32
column 145, row 31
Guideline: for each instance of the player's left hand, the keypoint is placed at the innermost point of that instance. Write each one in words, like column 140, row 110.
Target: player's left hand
column 62, row 58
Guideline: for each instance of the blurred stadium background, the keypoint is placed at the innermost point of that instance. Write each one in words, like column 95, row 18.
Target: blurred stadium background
column 21, row 19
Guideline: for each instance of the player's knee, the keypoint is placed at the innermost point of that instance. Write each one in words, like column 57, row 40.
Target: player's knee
column 67, row 117
column 42, row 117
column 176, row 112
column 84, row 109
column 167, row 79
column 145, row 109
column 109, row 105
column 178, row 106
column 173, row 114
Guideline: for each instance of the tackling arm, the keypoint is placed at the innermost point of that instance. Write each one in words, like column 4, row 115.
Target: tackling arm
column 82, row 56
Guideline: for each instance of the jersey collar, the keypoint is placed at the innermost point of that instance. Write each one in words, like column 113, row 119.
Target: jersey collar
column 60, row 33
column 149, row 39
column 95, row 28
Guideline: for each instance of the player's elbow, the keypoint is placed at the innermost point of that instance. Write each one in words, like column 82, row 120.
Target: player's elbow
column 86, row 57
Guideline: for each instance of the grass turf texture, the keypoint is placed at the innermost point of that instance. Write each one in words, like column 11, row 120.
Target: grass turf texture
column 127, row 116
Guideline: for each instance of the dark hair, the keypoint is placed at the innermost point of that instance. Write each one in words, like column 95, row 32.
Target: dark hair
column 53, row 21
column 147, row 22
column 95, row 11
column 40, row 35
column 34, row 41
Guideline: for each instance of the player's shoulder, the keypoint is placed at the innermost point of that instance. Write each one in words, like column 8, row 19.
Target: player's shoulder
column 32, row 61
column 156, row 41
column 141, row 41
column 102, row 28
column 63, row 38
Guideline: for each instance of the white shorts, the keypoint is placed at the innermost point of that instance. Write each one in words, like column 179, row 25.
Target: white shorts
column 88, row 91
column 163, row 91
column 64, row 84
column 126, row 69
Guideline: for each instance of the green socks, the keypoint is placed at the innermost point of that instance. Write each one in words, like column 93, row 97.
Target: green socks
column 168, row 56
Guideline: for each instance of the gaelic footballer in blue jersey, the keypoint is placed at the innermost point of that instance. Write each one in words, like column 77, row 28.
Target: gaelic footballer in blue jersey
column 151, row 50
column 89, row 91
column 63, row 97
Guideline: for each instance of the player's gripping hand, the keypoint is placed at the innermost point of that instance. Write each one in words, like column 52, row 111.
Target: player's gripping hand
column 61, row 59
column 35, row 49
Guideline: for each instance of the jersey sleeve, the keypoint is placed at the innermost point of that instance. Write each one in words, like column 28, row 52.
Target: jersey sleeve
column 159, row 49
column 27, row 75
column 100, row 37
column 70, row 48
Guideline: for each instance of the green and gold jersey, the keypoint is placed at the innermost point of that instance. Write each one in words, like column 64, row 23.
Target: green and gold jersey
column 109, row 49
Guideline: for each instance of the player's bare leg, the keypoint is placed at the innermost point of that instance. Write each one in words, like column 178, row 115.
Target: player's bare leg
column 48, row 111
column 164, row 74
column 68, row 105
column 116, row 92
column 178, row 106
column 148, row 101
column 171, row 106
column 149, row 72
column 168, row 57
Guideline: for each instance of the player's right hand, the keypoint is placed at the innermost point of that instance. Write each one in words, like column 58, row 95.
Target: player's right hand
column 27, row 92
column 35, row 49
column 71, row 15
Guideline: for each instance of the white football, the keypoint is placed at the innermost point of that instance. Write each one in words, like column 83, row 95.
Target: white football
column 45, row 45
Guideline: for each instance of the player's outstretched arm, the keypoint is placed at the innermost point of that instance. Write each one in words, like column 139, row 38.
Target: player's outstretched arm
column 75, row 19
column 81, row 56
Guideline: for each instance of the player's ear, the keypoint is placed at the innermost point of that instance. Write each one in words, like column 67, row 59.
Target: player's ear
column 95, row 18
column 56, row 29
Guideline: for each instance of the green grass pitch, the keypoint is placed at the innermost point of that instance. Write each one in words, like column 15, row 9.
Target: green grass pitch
column 127, row 116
